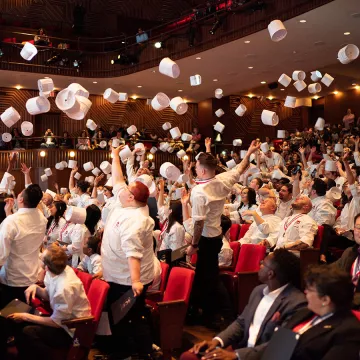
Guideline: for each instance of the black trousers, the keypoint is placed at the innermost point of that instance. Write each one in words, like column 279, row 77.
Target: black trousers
column 209, row 292
column 9, row 293
column 133, row 332
column 330, row 238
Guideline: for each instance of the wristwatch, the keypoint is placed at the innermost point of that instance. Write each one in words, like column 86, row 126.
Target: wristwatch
column 195, row 246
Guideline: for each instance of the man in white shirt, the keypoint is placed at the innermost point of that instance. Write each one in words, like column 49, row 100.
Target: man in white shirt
column 285, row 201
column 130, row 172
column 323, row 211
column 79, row 195
column 270, row 305
column 128, row 258
column 265, row 226
column 21, row 235
column 272, row 159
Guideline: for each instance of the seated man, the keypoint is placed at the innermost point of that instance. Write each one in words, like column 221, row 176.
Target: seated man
column 37, row 336
column 269, row 306
column 263, row 227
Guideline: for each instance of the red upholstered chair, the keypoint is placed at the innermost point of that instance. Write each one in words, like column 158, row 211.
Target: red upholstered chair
column 234, row 232
column 169, row 315
column 357, row 314
column 242, row 281
column 9, row 40
column 155, row 296
column 318, row 237
column 193, row 259
column 243, row 230
column 85, row 278
column 235, row 246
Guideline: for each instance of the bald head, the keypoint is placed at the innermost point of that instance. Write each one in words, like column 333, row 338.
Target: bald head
column 302, row 204
column 47, row 199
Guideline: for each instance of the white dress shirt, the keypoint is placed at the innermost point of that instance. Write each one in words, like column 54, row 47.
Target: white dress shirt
column 21, row 235
column 284, row 208
column 268, row 230
column 323, row 211
column 174, row 239
column 128, row 233
column 235, row 215
column 107, row 208
column 76, row 236
column 297, row 227
column 208, row 201
column 275, row 160
column 67, row 297
column 54, row 230
column 91, row 264
column 80, row 201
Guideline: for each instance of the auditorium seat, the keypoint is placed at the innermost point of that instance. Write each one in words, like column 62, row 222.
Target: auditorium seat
column 234, row 232
column 235, row 247
column 243, row 230
column 357, row 314
column 318, row 237
column 86, row 279
column 155, row 296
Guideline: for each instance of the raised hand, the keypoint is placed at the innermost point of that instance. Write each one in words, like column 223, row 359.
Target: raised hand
column 25, row 169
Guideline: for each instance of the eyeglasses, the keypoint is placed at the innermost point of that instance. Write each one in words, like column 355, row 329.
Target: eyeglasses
column 357, row 227
column 262, row 263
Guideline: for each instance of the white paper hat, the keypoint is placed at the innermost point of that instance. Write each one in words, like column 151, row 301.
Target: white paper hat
column 183, row 178
column 28, row 51
column 300, row 85
column 50, row 192
column 164, row 146
column 175, row 133
column 90, row 179
column 79, row 90
column 269, row 118
column 72, row 164
column 115, row 143
column 148, row 182
column 85, row 105
column 77, row 176
column 166, row 126
column 10, row 117
column 237, row 142
column 298, row 75
column 75, row 215
column 59, row 166
column 12, row 185
column 153, row 150
column 231, row 163
column 105, row 166
column 123, row 96
column 219, row 112
column 277, row 30
column 186, row 137
column 43, row 177
column 169, row 68
column 327, row 80
column 27, row 128
column 169, row 171
column 219, row 127
column 141, row 147
column 320, row 124
column 108, row 176
column 284, row 80
column 64, row 163
column 219, row 93
column 111, row 95
column 348, row 54
column 281, row 134
column 290, row 101
column 131, row 130
column 48, row 172
column 264, row 147
column 330, row 166
column 179, row 105
column 316, row 76
column 170, row 149
column 327, row 157
column 109, row 181
column 195, row 80
column 339, row 148
column 125, row 153
column 160, row 101
column 45, row 85
column 45, row 94
column 180, row 154
column 243, row 153
column 334, row 194
column 90, row 124
column 96, row 171
column 63, row 191
column 103, row 144
column 314, row 88
column 240, row 110
column 6, row 137
column 88, row 166
column 38, row 105
column 65, row 100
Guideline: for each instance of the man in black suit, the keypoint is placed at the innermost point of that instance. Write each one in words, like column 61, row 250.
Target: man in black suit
column 269, row 306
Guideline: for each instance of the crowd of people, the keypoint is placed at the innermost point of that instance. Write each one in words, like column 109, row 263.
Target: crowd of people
column 284, row 191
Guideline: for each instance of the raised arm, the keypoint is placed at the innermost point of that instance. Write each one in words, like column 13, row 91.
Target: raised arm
column 246, row 160
column 160, row 201
column 302, row 156
column 208, row 145
column 349, row 173
column 116, row 171
column 26, row 171
column 94, row 193
column 71, row 179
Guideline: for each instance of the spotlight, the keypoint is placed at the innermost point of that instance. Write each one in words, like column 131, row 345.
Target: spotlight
column 72, row 154
column 217, row 23
column 159, row 45
column 150, row 157
column 42, row 153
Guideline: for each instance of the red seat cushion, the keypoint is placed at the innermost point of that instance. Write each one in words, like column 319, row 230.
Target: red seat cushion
column 235, row 246
column 164, row 275
column 234, row 232
column 318, row 237
column 357, row 314
column 250, row 257
column 243, row 230
column 86, row 280
column 97, row 296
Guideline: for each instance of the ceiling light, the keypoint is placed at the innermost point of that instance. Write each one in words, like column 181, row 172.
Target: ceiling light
column 270, row 98
column 72, row 154
column 179, row 90
column 251, row 96
column 247, row 42
column 302, row 21
column 282, row 89
column 315, row 97
column 185, row 101
column 250, row 67
column 215, row 79
column 346, row 33
column 139, row 86
column 335, row 92
column 94, row 82
column 263, row 82
column 353, row 84
column 150, row 156
column 134, row 97
column 357, row 87
column 198, row 58
column 123, row 42
column 18, row 87
column 42, row 153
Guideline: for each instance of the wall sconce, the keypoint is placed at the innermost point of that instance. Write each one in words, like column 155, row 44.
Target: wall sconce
column 150, row 156
column 185, row 158
column 72, row 154
column 42, row 153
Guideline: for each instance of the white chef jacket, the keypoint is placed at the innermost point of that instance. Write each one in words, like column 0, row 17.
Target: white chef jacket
column 155, row 286
column 235, row 217
column 174, row 239
column 128, row 233
column 208, row 201
column 67, row 297
column 284, row 208
column 91, row 264
column 297, row 227
column 54, row 230
column 107, row 208
column 275, row 160
column 80, row 201
column 268, row 230
column 323, row 211
column 76, row 236
column 130, row 172
column 21, row 235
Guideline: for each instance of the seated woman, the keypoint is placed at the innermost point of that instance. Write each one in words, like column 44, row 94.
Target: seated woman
column 38, row 337
column 83, row 141
column 41, row 38
column 66, row 142
column 16, row 141
column 97, row 138
column 49, row 140
column 56, row 222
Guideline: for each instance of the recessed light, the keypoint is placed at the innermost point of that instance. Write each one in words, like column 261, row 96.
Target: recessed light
column 315, row 97
column 154, row 71
column 185, row 101
column 250, row 67
column 335, row 92
column 357, row 87
column 94, row 82
column 282, row 89
column 347, row 33
column 123, row 42
column 353, row 84
column 18, row 87
column 215, row 79
column 251, row 96
column 139, row 86
column 302, row 21
column 198, row 58
column 270, row 98
column 247, row 42
column 179, row 90
column 263, row 82
column 134, row 97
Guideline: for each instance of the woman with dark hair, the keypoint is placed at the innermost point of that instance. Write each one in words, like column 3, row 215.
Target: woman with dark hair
column 16, row 141
column 41, row 38
column 56, row 221
column 66, row 142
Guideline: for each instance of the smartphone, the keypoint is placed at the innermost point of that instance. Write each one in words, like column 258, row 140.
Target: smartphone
column 295, row 170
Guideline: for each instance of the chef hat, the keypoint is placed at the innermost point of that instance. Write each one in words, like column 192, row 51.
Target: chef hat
column 48, row 172
column 290, row 101
column 77, row 89
column 27, row 128
column 327, row 80
column 169, row 171
column 269, row 118
column 183, row 178
column 90, row 124
column 240, row 110
column 10, row 117
column 90, row 179
column 179, row 105
column 298, row 75
column 276, row 174
column 231, row 163
column 59, row 166
column 141, row 147
column 103, row 144
column 284, row 80
column 281, row 134
column 330, row 166
column 50, row 192
column 105, row 166
column 45, row 85
column 264, row 147
column 65, row 100
column 63, row 191
column 333, row 194
column 170, row 149
column 277, row 30
column 169, row 68
column 125, row 153
column 79, row 113
column 123, row 96
column 77, row 176
column 164, row 146
column 237, row 142
column 186, row 137
column 175, row 133
column 314, row 88
column 339, row 148
column 219, row 127
column 111, row 95
column 180, row 154
column 348, row 53
column 300, row 85
column 166, row 126
column 316, row 76
column 195, row 80
column 219, row 112
column 219, row 93
column 243, row 153
column 96, row 171
column 160, row 101
column 38, row 105
column 72, row 164
column 88, row 166
column 148, row 181
column 43, row 177
column 131, row 130
column 75, row 215
column 153, row 150
column 6, row 137
column 28, row 51
column 115, row 143
column 320, row 124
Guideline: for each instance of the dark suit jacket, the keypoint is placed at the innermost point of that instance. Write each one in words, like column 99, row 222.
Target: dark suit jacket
column 286, row 304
